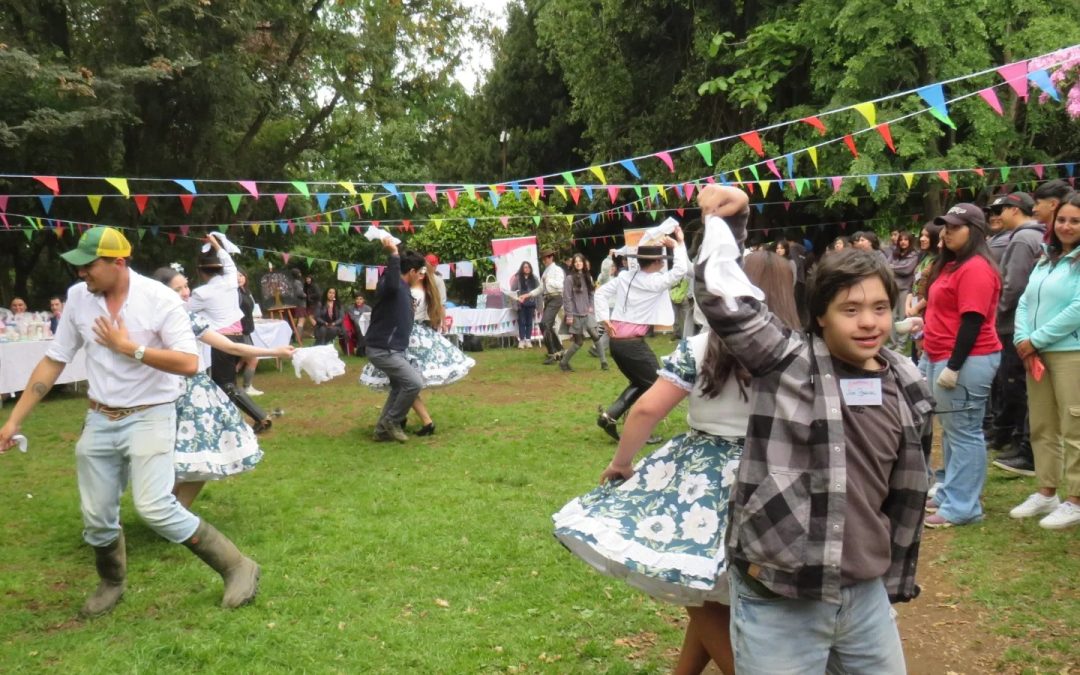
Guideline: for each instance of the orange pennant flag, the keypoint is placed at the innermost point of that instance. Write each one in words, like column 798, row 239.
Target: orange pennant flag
column 886, row 133
column 752, row 139
column 850, row 143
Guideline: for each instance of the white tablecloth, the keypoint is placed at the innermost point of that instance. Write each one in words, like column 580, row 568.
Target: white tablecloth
column 482, row 321
column 270, row 333
column 18, row 359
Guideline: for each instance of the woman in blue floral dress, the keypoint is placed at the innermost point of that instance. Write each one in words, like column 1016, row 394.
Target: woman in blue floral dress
column 212, row 439
column 439, row 362
column 660, row 525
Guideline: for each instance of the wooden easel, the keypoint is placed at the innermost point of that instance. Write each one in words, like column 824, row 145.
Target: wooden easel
column 284, row 313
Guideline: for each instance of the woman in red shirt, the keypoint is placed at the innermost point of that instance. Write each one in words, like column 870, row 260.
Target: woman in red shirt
column 961, row 355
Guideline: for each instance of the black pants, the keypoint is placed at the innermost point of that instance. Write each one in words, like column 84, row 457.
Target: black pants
column 1010, row 401
column 552, row 305
column 223, row 373
column 636, row 360
column 326, row 334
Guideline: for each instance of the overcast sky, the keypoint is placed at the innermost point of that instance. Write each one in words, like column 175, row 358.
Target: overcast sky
column 479, row 59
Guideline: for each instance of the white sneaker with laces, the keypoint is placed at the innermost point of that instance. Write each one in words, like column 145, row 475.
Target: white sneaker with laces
column 1067, row 514
column 252, row 391
column 932, row 492
column 1036, row 504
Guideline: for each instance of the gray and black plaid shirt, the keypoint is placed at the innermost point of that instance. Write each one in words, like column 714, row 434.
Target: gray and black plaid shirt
column 787, row 515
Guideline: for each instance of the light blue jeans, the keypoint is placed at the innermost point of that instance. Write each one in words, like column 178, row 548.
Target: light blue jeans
column 781, row 636
column 140, row 446
column 962, row 442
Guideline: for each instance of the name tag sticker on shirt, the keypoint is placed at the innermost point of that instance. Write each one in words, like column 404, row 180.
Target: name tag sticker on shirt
column 861, row 391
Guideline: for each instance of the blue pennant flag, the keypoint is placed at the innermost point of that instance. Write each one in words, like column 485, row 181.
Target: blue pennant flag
column 321, row 198
column 1042, row 80
column 187, row 184
column 472, row 222
column 46, row 202
column 872, row 180
column 628, row 164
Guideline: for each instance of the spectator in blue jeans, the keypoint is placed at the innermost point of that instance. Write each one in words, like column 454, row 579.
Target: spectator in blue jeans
column 388, row 338
column 961, row 355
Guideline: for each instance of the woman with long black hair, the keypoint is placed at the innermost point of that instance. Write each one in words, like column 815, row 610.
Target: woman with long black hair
column 522, row 284
column 578, row 292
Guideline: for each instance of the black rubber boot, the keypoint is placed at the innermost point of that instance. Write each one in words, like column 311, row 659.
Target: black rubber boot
column 111, row 563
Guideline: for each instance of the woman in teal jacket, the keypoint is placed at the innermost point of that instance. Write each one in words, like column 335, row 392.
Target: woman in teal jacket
column 1048, row 334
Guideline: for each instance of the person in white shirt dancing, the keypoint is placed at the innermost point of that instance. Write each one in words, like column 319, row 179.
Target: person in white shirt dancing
column 551, row 288
column 130, row 428
column 626, row 306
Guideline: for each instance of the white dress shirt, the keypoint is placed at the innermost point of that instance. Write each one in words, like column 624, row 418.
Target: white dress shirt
column 154, row 317
column 217, row 300
column 641, row 297
column 551, row 281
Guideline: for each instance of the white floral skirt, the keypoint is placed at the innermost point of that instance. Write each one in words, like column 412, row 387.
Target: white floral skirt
column 438, row 361
column 661, row 531
column 212, row 439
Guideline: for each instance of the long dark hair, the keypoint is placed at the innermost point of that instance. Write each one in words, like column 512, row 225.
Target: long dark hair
column 975, row 246
column 526, row 282
column 581, row 278
column 772, row 274
column 912, row 249
column 1054, row 248
column 933, row 232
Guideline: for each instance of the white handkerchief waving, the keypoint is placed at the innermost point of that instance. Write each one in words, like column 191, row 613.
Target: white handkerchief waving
column 320, row 363
column 660, row 231
column 377, row 233
column 224, row 242
column 720, row 255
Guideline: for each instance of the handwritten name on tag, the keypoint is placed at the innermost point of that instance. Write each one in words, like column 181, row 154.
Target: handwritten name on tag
column 861, row 391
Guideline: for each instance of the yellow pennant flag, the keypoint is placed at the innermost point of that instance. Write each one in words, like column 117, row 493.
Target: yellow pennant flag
column 535, row 194
column 382, row 202
column 95, row 202
column 333, row 266
column 599, row 173
column 437, row 222
column 561, row 190
column 326, row 229
column 349, row 187
column 867, row 111
column 738, row 176
column 569, row 219
column 765, row 185
column 813, row 155
column 255, row 228
column 120, row 184
column 908, row 177
column 366, row 198
column 663, row 193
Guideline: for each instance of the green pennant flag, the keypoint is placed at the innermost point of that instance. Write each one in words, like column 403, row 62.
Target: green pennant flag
column 471, row 190
column 753, row 170
column 29, row 234
column 706, row 152
column 536, row 220
column 234, row 201
column 142, row 233
column 800, row 185
column 569, row 178
column 301, row 187
column 943, row 118
column 652, row 214
column 344, row 227
column 310, row 262
column 637, row 191
column 1005, row 173
column 410, row 200
column 654, row 190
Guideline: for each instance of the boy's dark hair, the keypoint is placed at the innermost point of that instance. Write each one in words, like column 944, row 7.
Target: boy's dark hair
column 411, row 260
column 871, row 237
column 842, row 270
column 1053, row 189
column 208, row 264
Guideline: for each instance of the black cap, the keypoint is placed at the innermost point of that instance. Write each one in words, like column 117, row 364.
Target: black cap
column 1020, row 200
column 963, row 214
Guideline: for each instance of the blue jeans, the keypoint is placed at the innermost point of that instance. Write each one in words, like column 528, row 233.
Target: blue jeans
column 405, row 384
column 139, row 445
column 526, row 317
column 781, row 636
column 962, row 442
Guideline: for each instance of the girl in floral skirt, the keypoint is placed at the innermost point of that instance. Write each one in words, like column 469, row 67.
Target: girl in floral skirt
column 662, row 528
column 439, row 362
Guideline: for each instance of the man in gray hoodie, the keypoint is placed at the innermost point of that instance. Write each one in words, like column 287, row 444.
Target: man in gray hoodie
column 1010, row 435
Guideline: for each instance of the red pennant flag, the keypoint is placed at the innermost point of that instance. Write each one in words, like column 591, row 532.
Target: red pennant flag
column 451, row 196
column 612, row 193
column 665, row 157
column 280, row 200
column 50, row 182
column 816, row 123
column 184, row 229
column 374, row 223
column 680, row 212
column 172, row 237
column 752, row 139
column 944, row 176
column 575, row 194
column 186, row 201
column 850, row 143
column 979, row 171
column 787, row 206
column 500, row 189
column 886, row 134
column 140, row 202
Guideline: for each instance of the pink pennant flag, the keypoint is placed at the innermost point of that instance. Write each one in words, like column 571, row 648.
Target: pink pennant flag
column 280, row 199
column 186, row 201
column 356, row 210
column 184, row 229
column 612, row 193
column 711, row 180
column 314, row 227
column 1038, row 169
column 285, row 257
column 3, row 217
column 429, row 188
column 140, row 202
column 451, row 196
column 665, row 157
column 787, row 206
column 752, row 139
column 836, row 181
column 505, row 220
column 772, row 167
column 540, row 184
column 1016, row 75
column 689, row 188
column 50, row 182
column 250, row 186
column 944, row 176
column 991, row 98
column 3, row 203
column 850, row 143
column 357, row 229
column 979, row 171
column 291, row 227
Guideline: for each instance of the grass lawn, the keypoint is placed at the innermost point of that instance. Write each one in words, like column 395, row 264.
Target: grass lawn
column 432, row 556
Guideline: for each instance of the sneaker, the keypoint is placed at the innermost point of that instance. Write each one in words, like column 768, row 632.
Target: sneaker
column 1021, row 466
column 931, row 505
column 390, row 433
column 1035, row 505
column 932, row 492
column 1067, row 514
column 252, row 391
column 937, row 522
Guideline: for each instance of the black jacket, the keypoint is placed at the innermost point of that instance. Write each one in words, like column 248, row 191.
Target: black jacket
column 391, row 310
column 325, row 317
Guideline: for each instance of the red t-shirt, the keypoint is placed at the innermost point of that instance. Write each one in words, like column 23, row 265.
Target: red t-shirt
column 973, row 286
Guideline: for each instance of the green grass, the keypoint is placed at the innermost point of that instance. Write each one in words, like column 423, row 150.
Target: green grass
column 432, row 556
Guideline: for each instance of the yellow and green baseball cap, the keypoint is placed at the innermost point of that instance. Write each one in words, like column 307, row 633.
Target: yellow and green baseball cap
column 98, row 242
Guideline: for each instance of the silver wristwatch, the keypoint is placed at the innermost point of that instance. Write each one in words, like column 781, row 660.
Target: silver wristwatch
column 140, row 352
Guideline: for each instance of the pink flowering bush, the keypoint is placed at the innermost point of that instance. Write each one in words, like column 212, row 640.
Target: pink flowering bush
column 1066, row 63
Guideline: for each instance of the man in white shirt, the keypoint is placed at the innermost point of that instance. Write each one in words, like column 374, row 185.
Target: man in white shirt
column 139, row 345
column 551, row 285
column 627, row 306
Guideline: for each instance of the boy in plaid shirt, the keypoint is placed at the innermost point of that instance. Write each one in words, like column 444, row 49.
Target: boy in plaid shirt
column 827, row 510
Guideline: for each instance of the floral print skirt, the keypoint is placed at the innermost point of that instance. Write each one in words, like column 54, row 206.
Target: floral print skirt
column 212, row 439
column 661, row 531
column 439, row 362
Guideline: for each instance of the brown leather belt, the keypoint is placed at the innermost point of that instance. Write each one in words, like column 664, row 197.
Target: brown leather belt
column 116, row 414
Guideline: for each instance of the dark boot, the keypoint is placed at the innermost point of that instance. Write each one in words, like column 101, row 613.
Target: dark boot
column 564, row 363
column 609, row 417
column 111, row 563
column 248, row 406
column 240, row 573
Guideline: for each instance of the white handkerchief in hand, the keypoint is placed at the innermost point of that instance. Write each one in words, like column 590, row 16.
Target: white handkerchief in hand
column 377, row 233
column 720, row 254
column 321, row 363
column 224, row 242
column 660, row 231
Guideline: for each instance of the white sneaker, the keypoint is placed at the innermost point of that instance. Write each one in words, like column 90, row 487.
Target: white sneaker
column 1065, row 515
column 1035, row 505
column 252, row 391
column 932, row 492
